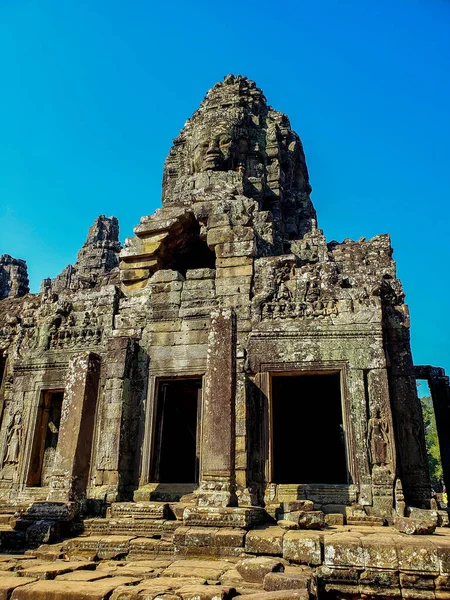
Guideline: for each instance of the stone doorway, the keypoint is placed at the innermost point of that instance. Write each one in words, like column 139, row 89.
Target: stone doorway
column 307, row 433
column 176, row 455
column 45, row 438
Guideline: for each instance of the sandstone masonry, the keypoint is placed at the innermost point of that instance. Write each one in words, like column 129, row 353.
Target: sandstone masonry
column 225, row 368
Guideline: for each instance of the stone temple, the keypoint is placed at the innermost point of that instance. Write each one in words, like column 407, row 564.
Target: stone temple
column 227, row 384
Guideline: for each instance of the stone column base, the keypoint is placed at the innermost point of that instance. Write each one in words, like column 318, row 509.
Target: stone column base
column 216, row 492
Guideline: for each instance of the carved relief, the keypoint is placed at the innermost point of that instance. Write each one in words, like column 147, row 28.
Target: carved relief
column 379, row 443
column 13, row 441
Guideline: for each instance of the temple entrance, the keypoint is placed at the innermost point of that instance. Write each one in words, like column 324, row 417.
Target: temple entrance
column 177, row 431
column 45, row 438
column 308, row 442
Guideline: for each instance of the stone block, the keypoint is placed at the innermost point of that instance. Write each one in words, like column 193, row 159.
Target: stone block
column 146, row 263
column 134, row 274
column 233, row 285
column 415, row 555
column 52, row 511
column 287, row 581
column 197, row 294
column 229, row 235
column 296, row 505
column 265, row 540
column 229, row 249
column 420, row 514
column 200, row 274
column 141, row 248
column 170, row 286
column 206, row 592
column 302, row 547
column 414, row 526
column 280, row 595
column 200, row 536
column 417, row 582
column 380, row 551
column 334, row 519
column 63, row 590
column 380, row 583
column 254, row 570
column 239, row 271
column 208, row 572
column 211, row 516
column 230, row 538
column 286, row 524
column 166, row 298
column 51, row 570
column 42, row 532
column 164, row 276
column 344, row 550
column 338, row 582
column 442, row 546
column 220, row 219
column 8, row 583
column 311, row 519
column 140, row 510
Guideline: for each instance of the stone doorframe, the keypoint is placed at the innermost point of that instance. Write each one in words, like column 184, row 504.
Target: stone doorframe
column 264, row 382
column 30, row 429
column 149, row 437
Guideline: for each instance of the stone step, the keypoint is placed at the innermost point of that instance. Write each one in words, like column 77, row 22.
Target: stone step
column 368, row 521
column 138, row 527
column 216, row 542
column 209, row 516
column 164, row 492
column 140, row 510
column 98, row 546
column 144, row 548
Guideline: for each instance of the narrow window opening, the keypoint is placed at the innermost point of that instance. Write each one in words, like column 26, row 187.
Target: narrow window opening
column 431, row 440
column 176, row 447
column 45, row 438
column 308, row 435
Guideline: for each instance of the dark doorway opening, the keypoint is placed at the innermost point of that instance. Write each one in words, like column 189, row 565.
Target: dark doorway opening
column 177, row 430
column 308, row 442
column 187, row 249
column 45, row 438
column 2, row 368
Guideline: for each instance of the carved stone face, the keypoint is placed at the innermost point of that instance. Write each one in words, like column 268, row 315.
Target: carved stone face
column 219, row 148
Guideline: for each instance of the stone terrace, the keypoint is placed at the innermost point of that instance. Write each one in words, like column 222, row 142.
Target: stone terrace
column 341, row 561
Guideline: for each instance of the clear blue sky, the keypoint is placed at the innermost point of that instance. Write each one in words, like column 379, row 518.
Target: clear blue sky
column 93, row 92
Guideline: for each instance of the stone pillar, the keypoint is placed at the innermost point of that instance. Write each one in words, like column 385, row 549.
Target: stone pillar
column 217, row 480
column 381, row 443
column 356, row 420
column 116, row 435
column 73, row 452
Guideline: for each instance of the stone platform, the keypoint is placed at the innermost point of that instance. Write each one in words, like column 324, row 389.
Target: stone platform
column 266, row 563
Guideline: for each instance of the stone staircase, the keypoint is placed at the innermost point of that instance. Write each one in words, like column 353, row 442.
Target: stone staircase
column 147, row 526
column 145, row 529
